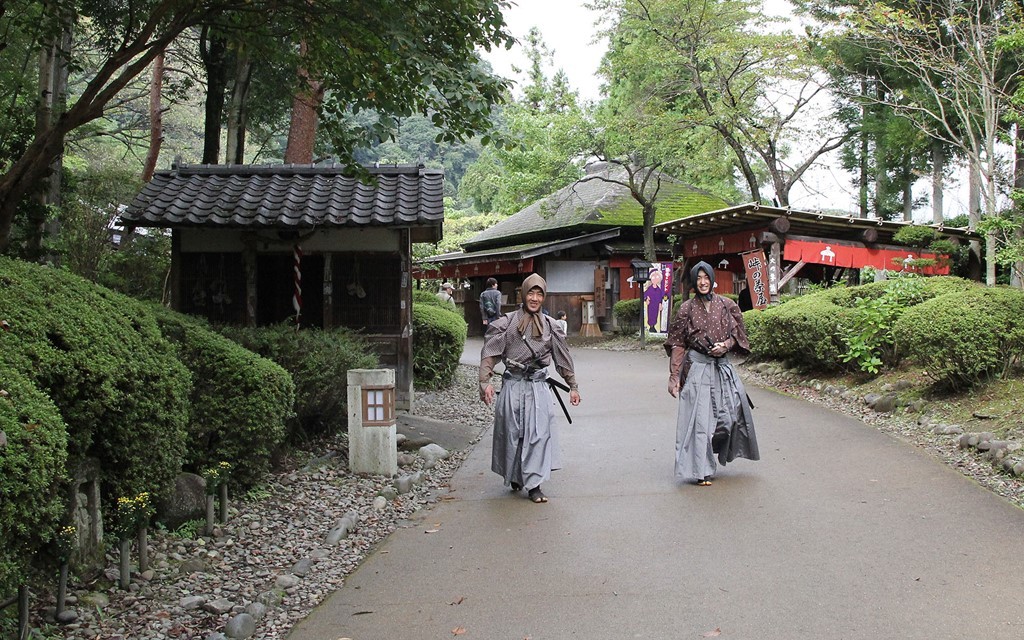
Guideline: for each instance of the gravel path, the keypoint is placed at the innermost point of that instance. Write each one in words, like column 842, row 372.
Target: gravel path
column 272, row 559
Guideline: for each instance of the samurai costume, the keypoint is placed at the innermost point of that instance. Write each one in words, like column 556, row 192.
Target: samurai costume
column 714, row 418
column 525, row 447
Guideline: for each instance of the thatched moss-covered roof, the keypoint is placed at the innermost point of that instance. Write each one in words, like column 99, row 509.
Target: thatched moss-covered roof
column 592, row 204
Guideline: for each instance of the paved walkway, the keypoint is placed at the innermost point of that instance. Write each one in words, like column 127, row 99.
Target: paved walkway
column 839, row 531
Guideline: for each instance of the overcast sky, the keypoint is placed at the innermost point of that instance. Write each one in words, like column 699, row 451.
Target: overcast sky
column 568, row 28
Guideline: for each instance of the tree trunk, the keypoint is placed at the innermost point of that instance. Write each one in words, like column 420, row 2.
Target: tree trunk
column 865, row 148
column 213, row 50
column 1018, row 184
column 156, row 121
column 650, row 253
column 908, row 193
column 938, row 171
column 237, row 113
column 105, row 83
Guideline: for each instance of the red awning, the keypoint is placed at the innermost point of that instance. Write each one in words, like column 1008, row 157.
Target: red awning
column 857, row 256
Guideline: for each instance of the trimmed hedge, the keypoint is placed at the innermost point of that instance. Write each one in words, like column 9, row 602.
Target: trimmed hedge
column 103, row 362
column 964, row 338
column 240, row 401
column 932, row 287
column 808, row 331
column 438, row 338
column 31, row 474
column 318, row 361
column 805, row 331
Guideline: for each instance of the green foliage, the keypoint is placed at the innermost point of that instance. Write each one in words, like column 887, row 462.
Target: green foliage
column 869, row 341
column 102, row 360
column 962, row 339
column 1008, row 230
column 32, row 466
column 240, row 402
column 438, row 338
column 131, row 514
column 318, row 361
column 807, row 331
column 627, row 314
column 821, row 331
column 915, row 236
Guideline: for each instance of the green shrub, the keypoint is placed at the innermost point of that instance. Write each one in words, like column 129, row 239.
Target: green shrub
column 627, row 315
column 240, row 401
column 102, row 360
column 806, row 331
column 318, row 361
column 422, row 296
column 931, row 287
column 869, row 342
column 964, row 338
column 32, row 471
column 438, row 338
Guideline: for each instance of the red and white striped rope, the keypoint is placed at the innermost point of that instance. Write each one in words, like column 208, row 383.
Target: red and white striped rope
column 297, row 295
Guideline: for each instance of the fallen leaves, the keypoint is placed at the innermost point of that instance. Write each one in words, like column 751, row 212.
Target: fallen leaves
column 713, row 634
column 458, row 602
column 458, row 631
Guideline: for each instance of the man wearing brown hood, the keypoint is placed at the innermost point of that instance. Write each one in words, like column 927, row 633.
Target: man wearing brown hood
column 714, row 417
column 525, row 447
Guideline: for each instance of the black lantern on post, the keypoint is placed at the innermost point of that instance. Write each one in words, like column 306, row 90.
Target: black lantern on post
column 641, row 274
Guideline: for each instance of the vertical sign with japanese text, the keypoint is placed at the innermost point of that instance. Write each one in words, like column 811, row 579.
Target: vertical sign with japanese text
column 757, row 277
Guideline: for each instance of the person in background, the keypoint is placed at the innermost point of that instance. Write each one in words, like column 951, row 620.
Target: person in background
column 490, row 303
column 525, row 447
column 714, row 417
column 562, row 323
column 445, row 294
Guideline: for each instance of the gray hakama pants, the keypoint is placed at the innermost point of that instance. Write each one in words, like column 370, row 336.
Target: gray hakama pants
column 712, row 398
column 525, row 448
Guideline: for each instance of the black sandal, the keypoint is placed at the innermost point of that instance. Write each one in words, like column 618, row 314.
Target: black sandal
column 537, row 496
column 704, row 482
column 516, row 486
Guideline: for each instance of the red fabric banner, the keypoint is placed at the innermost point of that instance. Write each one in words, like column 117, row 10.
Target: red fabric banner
column 857, row 256
column 757, row 277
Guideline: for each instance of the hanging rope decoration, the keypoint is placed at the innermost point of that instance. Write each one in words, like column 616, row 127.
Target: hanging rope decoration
column 297, row 295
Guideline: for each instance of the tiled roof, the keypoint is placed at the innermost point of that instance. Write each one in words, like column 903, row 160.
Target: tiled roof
column 590, row 205
column 297, row 196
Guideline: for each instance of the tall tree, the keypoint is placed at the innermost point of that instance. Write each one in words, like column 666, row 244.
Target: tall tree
column 714, row 66
column 389, row 55
column 964, row 80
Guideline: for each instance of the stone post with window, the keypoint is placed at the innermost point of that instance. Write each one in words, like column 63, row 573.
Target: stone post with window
column 372, row 444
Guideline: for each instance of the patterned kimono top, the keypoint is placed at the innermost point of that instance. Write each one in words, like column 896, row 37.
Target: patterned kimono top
column 697, row 328
column 504, row 343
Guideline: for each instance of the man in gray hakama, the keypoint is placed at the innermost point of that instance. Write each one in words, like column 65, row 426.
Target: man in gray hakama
column 714, row 417
column 525, row 445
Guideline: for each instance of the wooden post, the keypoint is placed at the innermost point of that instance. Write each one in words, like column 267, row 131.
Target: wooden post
column 209, row 514
column 125, row 550
column 143, row 542
column 175, row 293
column 403, row 374
column 62, row 587
column 224, row 501
column 23, row 612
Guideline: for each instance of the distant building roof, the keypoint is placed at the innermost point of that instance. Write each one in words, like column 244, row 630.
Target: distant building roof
column 809, row 223
column 295, row 196
column 590, row 205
